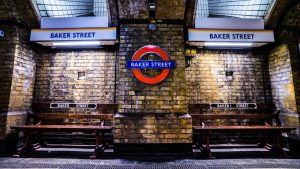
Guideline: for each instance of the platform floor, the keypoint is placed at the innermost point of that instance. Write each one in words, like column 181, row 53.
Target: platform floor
column 227, row 157
column 59, row 163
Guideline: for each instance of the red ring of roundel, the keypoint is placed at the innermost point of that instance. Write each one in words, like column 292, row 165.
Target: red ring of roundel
column 150, row 49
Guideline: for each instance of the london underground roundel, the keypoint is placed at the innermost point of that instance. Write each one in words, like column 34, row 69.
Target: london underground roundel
column 151, row 59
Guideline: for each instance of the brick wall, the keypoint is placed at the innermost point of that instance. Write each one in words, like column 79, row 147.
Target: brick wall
column 7, row 53
column 284, row 65
column 19, row 11
column 57, row 76
column 207, row 81
column 18, row 65
column 17, row 80
column 282, row 84
column 15, row 119
column 131, row 9
column 15, row 58
column 291, row 18
column 147, row 112
column 166, row 9
column 151, row 128
column 168, row 96
column 23, row 76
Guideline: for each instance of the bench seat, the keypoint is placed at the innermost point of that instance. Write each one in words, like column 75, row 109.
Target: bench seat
column 260, row 121
column 56, row 128
column 55, row 122
column 274, row 131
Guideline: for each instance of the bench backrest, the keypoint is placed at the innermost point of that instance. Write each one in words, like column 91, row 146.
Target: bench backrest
column 261, row 116
column 66, row 118
column 205, row 108
column 235, row 119
column 47, row 115
column 101, row 108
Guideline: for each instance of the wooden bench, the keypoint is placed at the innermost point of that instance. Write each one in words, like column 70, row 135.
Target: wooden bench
column 266, row 124
column 55, row 122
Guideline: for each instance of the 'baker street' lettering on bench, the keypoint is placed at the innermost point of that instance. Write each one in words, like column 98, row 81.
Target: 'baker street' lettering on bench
column 233, row 105
column 242, row 105
column 62, row 105
column 223, row 105
column 82, row 105
column 73, row 105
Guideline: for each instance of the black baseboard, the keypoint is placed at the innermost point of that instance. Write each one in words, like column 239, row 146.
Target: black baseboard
column 2, row 151
column 294, row 145
column 9, row 144
column 152, row 148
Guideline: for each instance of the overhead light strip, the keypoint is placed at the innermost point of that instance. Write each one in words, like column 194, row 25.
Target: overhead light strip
column 228, row 44
column 77, row 43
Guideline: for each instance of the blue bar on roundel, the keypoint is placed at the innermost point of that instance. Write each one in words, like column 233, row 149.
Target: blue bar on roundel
column 150, row 64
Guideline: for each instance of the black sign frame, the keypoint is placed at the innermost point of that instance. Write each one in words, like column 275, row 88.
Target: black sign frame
column 233, row 106
column 73, row 105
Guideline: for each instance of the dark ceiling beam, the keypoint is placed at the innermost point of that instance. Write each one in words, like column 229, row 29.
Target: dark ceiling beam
column 189, row 13
column 20, row 11
column 281, row 7
column 133, row 9
column 292, row 11
column 163, row 10
column 113, row 12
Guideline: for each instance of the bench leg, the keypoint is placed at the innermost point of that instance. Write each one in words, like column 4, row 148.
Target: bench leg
column 197, row 139
column 26, row 147
column 97, row 149
column 207, row 150
column 263, row 140
column 103, row 140
column 41, row 141
column 277, row 147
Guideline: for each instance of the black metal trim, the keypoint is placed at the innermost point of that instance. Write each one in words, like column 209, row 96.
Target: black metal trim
column 12, row 22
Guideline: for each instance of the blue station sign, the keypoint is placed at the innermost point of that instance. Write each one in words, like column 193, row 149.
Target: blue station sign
column 145, row 64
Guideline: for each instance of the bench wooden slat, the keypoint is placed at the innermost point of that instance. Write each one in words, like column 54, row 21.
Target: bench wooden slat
column 232, row 116
column 68, row 116
column 64, row 127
